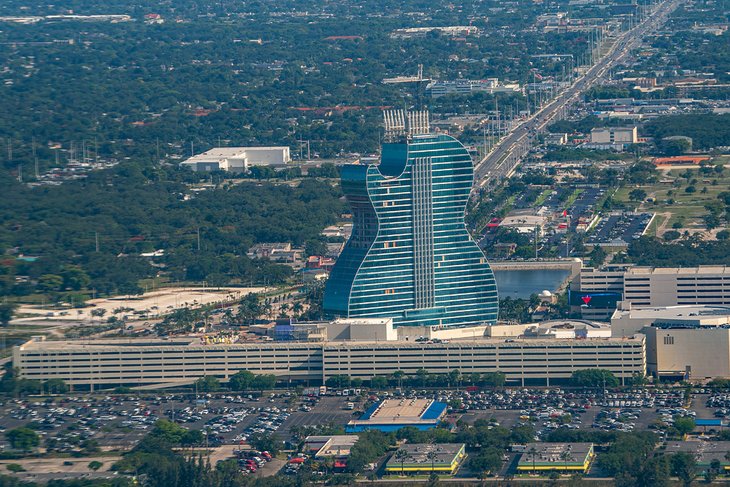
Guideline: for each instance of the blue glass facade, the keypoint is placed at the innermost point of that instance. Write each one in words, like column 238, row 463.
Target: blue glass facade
column 410, row 256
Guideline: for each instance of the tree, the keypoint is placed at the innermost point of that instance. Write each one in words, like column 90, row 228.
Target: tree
column 401, row 456
column 522, row 434
column 74, row 277
column 533, row 453
column 486, row 460
column 168, row 431
column 266, row 442
column 714, row 470
column 208, row 384
column 55, row 386
column 684, row 466
column 250, row 308
column 192, row 438
column 422, row 377
column 50, row 282
column 23, row 438
column 378, row 382
column 565, row 456
column 98, row 312
column 684, row 425
column 711, row 221
column 432, row 456
column 241, row 380
column 637, row 195
column 398, row 377
column 6, row 312
column 595, row 378
column 264, row 382
column 598, row 256
column 671, row 235
column 95, row 465
column 675, row 146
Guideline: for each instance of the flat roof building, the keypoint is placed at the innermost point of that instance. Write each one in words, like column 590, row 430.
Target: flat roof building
column 705, row 452
column 628, row 320
column 614, row 135
column 682, row 342
column 570, row 457
column 177, row 361
column 237, row 159
column 330, row 446
column 427, row 457
column 650, row 287
column 394, row 414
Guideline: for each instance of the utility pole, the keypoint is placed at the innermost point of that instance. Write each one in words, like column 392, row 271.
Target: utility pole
column 198, row 239
column 96, row 240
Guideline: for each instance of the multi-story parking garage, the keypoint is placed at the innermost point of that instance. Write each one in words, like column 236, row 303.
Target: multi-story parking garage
column 524, row 361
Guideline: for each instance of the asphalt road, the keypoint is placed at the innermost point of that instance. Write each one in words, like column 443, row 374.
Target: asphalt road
column 504, row 157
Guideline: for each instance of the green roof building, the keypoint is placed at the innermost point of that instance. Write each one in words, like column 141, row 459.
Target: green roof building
column 566, row 457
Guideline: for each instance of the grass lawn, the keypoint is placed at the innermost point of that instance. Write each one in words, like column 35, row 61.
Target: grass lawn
column 686, row 208
column 543, row 196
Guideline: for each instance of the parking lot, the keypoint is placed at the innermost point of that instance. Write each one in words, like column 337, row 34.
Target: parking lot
column 620, row 229
column 89, row 423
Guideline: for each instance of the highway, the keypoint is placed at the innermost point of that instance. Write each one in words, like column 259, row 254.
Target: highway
column 503, row 158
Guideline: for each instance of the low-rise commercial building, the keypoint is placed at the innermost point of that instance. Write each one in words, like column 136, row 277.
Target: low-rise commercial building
column 394, row 414
column 427, row 458
column 614, row 135
column 237, row 159
column 567, row 457
column 466, row 86
column 705, row 452
column 330, row 446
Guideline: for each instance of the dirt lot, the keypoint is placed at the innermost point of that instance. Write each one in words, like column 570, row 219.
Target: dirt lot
column 155, row 303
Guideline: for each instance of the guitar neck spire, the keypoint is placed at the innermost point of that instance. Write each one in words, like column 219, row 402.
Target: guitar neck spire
column 403, row 125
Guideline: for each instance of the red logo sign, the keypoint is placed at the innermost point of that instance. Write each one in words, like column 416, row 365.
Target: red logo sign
column 586, row 299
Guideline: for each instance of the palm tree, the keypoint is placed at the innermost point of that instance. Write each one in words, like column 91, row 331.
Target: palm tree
column 532, row 452
column 432, row 456
column 398, row 376
column 400, row 457
column 565, row 456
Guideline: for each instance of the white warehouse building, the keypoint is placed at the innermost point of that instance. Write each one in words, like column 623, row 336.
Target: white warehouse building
column 238, row 159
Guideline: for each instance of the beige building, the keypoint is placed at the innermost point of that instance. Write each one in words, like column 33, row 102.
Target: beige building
column 628, row 320
column 688, row 353
column 655, row 286
column 682, row 342
column 671, row 286
column 614, row 135
column 524, row 361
